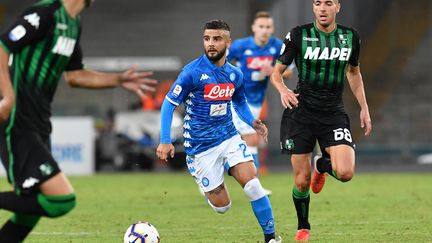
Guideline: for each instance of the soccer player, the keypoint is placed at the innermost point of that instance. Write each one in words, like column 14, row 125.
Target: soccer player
column 256, row 56
column 41, row 45
column 208, row 86
column 325, row 53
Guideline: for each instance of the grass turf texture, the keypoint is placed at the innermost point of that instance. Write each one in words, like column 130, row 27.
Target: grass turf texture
column 371, row 208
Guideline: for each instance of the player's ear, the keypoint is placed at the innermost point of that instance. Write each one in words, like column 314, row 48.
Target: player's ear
column 338, row 6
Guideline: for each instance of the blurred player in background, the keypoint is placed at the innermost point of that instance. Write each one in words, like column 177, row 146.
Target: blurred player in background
column 41, row 45
column 325, row 53
column 209, row 86
column 256, row 56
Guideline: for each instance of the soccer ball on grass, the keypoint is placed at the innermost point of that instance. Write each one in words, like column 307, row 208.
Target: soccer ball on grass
column 141, row 232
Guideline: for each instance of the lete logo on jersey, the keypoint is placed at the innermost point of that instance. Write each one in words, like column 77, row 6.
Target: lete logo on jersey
column 259, row 62
column 218, row 91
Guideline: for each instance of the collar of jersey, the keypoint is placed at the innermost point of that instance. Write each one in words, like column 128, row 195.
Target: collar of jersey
column 325, row 33
column 211, row 65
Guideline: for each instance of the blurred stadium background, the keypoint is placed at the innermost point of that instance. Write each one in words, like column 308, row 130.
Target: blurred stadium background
column 165, row 35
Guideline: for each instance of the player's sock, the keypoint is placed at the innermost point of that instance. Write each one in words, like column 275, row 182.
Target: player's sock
column 324, row 165
column 301, row 202
column 254, row 152
column 261, row 207
column 17, row 228
column 42, row 205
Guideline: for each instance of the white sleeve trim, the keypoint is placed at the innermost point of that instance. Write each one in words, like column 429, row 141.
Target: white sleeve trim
column 171, row 101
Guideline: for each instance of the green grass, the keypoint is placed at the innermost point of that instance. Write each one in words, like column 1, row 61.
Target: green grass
column 370, row 208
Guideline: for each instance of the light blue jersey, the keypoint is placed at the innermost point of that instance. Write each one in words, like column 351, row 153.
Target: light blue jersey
column 251, row 57
column 207, row 91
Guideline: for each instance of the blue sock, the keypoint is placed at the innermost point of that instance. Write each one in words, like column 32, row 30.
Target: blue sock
column 264, row 213
column 256, row 161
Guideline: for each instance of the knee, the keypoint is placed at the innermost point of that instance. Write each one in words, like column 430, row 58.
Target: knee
column 56, row 206
column 302, row 181
column 254, row 190
column 220, row 209
column 345, row 176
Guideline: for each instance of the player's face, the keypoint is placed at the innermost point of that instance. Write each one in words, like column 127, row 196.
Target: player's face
column 325, row 11
column 215, row 44
column 263, row 29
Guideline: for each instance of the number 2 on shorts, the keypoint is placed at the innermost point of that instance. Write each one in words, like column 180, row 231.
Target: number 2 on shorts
column 243, row 147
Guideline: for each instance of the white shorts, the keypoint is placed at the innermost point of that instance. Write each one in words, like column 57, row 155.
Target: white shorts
column 241, row 126
column 207, row 168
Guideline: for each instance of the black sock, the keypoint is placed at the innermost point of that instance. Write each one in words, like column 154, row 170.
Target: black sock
column 12, row 232
column 301, row 202
column 269, row 237
column 28, row 205
column 324, row 165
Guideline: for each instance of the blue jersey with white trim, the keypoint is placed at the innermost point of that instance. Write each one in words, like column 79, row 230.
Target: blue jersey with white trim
column 251, row 57
column 207, row 92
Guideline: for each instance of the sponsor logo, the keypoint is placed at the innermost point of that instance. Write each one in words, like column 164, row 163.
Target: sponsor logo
column 310, row 39
column 288, row 36
column 30, row 182
column 33, row 19
column 218, row 110
column 259, row 62
column 204, row 76
column 177, row 90
column 218, row 91
column 343, row 54
column 64, row 46
column 187, row 144
column 17, row 33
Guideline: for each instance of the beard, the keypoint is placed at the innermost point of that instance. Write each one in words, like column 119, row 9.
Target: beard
column 88, row 3
column 217, row 57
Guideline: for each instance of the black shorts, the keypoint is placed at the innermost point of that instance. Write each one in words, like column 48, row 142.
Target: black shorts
column 301, row 129
column 27, row 159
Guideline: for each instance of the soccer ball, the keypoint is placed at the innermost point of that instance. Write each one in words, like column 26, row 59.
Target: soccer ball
column 141, row 232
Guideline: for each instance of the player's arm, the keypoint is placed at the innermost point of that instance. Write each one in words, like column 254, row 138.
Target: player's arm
column 29, row 27
column 6, row 91
column 355, row 81
column 286, row 57
column 242, row 109
column 137, row 82
column 177, row 94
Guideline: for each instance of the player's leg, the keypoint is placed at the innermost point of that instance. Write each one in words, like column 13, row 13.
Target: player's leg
column 219, row 199
column 300, row 193
column 298, row 140
column 338, row 158
column 245, row 174
column 30, row 165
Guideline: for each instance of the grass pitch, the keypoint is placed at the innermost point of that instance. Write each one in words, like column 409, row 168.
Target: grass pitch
column 371, row 208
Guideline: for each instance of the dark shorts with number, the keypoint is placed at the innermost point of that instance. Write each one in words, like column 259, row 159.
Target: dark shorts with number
column 27, row 159
column 300, row 129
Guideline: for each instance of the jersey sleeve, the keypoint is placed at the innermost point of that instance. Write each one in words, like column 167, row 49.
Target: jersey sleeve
column 354, row 59
column 76, row 60
column 30, row 27
column 289, row 48
column 181, row 88
column 234, row 52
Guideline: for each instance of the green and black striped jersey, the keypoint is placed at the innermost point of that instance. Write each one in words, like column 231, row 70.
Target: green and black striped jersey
column 321, row 59
column 42, row 43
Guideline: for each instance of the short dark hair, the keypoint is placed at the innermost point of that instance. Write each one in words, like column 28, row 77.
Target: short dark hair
column 216, row 24
column 262, row 14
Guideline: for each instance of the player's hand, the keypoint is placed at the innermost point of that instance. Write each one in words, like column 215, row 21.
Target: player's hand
column 266, row 70
column 5, row 109
column 261, row 129
column 138, row 82
column 164, row 151
column 365, row 121
column 288, row 98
